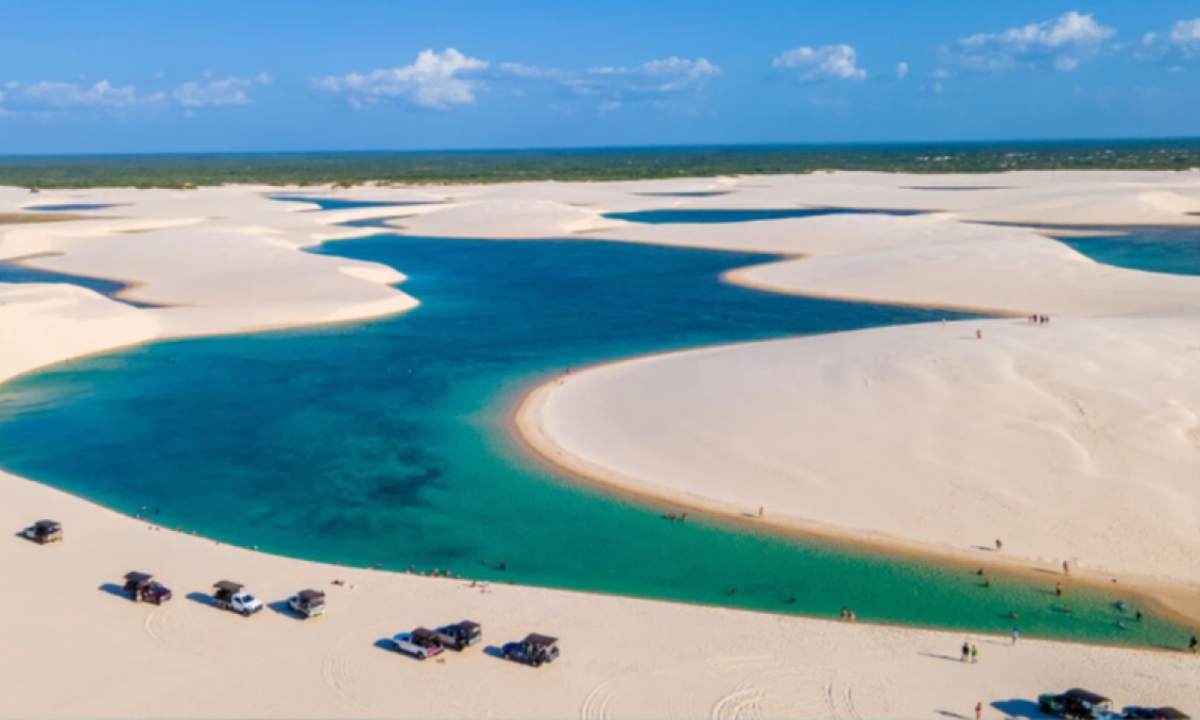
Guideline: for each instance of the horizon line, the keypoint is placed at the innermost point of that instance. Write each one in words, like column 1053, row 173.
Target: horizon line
column 613, row 148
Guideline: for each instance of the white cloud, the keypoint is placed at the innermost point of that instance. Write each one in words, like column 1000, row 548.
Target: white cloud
column 940, row 73
column 63, row 95
column 437, row 81
column 901, row 70
column 1181, row 44
column 829, row 62
column 669, row 75
column 675, row 75
column 1061, row 42
column 666, row 82
column 225, row 91
column 531, row 71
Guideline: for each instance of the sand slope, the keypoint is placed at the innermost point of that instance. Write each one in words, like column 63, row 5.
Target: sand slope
column 1080, row 439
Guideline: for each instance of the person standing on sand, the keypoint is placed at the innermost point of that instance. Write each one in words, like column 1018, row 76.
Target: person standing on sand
column 978, row 710
column 978, row 334
column 974, row 654
column 760, row 510
column 1192, row 644
column 999, row 545
column 966, row 651
column 1066, row 568
column 1015, row 635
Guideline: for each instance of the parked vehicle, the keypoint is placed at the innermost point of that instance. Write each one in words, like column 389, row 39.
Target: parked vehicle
column 44, row 531
column 1155, row 713
column 420, row 643
column 143, row 587
column 229, row 596
column 1077, row 703
column 308, row 603
column 460, row 636
column 534, row 650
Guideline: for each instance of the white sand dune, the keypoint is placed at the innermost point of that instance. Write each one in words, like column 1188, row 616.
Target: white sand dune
column 1077, row 439
column 224, row 260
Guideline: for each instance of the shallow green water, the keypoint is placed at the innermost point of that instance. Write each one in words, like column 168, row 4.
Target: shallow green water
column 386, row 442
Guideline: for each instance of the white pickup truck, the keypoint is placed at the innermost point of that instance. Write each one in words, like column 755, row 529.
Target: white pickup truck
column 308, row 603
column 229, row 596
column 420, row 643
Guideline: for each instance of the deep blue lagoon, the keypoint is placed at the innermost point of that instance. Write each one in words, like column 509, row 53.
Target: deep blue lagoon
column 389, row 441
column 719, row 215
column 12, row 271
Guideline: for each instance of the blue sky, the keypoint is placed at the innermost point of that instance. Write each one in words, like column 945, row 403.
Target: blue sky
column 216, row 76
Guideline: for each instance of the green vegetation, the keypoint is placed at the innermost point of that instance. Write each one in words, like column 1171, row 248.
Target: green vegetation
column 189, row 171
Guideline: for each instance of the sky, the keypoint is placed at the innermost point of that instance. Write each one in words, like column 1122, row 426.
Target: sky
column 216, row 76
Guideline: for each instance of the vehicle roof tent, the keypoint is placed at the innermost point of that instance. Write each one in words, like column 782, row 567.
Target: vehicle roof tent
column 424, row 634
column 310, row 596
column 535, row 639
column 1087, row 696
column 229, row 586
column 46, row 525
column 138, row 577
column 1171, row 713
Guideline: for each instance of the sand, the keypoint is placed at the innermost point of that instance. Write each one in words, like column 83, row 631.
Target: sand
column 1078, row 440
column 968, row 439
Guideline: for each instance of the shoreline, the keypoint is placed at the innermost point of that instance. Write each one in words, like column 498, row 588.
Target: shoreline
column 741, row 278
column 199, row 658
column 1178, row 601
column 866, row 622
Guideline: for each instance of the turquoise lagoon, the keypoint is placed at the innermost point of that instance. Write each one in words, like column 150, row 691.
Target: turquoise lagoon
column 388, row 442
column 1161, row 249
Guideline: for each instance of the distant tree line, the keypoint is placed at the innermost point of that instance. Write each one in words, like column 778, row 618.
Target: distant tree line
column 423, row 168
